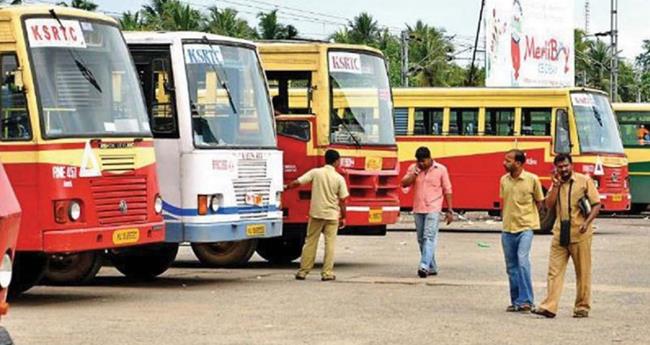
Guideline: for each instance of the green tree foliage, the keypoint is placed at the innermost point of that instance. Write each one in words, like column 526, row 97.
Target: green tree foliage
column 80, row 4
column 269, row 28
column 226, row 22
column 643, row 64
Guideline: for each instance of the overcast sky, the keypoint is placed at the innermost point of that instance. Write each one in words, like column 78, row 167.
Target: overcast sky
column 318, row 18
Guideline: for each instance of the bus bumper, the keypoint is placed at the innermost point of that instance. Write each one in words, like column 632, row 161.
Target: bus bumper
column 371, row 216
column 222, row 232
column 77, row 240
column 612, row 202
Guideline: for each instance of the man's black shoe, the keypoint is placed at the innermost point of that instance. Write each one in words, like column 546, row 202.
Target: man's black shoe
column 422, row 273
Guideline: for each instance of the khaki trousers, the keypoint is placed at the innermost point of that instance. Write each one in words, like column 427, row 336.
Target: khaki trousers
column 315, row 227
column 580, row 253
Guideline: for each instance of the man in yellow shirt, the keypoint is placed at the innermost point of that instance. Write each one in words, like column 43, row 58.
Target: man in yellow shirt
column 521, row 194
column 326, row 213
column 572, row 235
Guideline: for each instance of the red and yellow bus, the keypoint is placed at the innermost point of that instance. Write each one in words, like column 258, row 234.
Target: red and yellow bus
column 76, row 145
column 470, row 129
column 332, row 96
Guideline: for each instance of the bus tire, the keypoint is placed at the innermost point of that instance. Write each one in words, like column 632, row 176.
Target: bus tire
column 73, row 269
column 281, row 250
column 28, row 270
column 144, row 262
column 224, row 254
column 546, row 220
column 638, row 208
column 5, row 338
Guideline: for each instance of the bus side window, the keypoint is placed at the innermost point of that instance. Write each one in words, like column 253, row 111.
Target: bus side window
column 14, row 121
column 428, row 121
column 562, row 140
column 291, row 92
column 294, row 129
column 463, row 122
column 536, row 121
column 400, row 121
column 500, row 122
column 154, row 70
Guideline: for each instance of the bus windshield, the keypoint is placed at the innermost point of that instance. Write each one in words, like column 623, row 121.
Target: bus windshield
column 228, row 97
column 597, row 127
column 85, row 80
column 361, row 103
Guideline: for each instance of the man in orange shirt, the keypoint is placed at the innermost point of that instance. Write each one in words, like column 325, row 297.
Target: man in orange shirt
column 642, row 133
column 431, row 182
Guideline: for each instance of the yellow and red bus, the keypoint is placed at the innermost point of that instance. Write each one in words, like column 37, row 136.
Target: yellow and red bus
column 317, row 91
column 77, row 147
column 634, row 124
column 470, row 129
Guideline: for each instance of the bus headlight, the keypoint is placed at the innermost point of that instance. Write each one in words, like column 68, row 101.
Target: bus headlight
column 74, row 210
column 158, row 204
column 5, row 271
column 215, row 202
column 278, row 199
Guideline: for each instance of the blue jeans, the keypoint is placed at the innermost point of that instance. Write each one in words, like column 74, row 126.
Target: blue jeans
column 516, row 249
column 426, row 226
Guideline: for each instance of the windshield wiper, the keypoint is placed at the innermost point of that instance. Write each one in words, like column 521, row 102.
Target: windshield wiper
column 597, row 115
column 347, row 129
column 85, row 71
column 221, row 76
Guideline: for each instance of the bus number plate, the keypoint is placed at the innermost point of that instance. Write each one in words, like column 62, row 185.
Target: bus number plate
column 254, row 230
column 375, row 216
column 617, row 197
column 126, row 236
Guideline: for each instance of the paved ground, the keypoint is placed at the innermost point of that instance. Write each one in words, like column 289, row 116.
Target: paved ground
column 377, row 298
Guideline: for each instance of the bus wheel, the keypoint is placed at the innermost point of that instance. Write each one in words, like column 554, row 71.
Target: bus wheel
column 73, row 269
column 546, row 220
column 220, row 254
column 144, row 262
column 638, row 208
column 5, row 338
column 28, row 270
column 281, row 250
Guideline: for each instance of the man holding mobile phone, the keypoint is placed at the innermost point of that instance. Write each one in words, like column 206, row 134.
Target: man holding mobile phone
column 572, row 234
column 431, row 183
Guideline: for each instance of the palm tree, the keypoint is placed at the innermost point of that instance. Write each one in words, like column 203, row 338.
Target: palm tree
column 13, row 2
column 429, row 53
column 225, row 22
column 364, row 29
column 171, row 15
column 271, row 29
column 80, row 4
column 131, row 21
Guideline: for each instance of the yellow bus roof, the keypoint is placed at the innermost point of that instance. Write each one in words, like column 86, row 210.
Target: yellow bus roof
column 487, row 91
column 631, row 106
column 17, row 11
column 286, row 46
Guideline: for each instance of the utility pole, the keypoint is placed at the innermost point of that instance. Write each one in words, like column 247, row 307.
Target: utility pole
column 470, row 78
column 587, row 16
column 404, row 71
column 613, row 93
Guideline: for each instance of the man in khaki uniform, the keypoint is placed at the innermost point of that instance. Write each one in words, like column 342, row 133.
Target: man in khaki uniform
column 572, row 236
column 326, row 214
column 521, row 194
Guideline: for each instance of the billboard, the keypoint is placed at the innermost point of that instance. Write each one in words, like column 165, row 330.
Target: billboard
column 529, row 43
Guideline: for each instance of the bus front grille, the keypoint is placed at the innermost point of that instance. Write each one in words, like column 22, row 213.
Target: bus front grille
column 118, row 164
column 251, row 169
column 254, row 187
column 120, row 200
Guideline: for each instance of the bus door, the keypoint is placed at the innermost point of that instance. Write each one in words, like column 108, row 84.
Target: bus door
column 296, row 128
column 153, row 64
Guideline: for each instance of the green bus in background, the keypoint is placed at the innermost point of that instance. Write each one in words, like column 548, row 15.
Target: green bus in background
column 634, row 121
